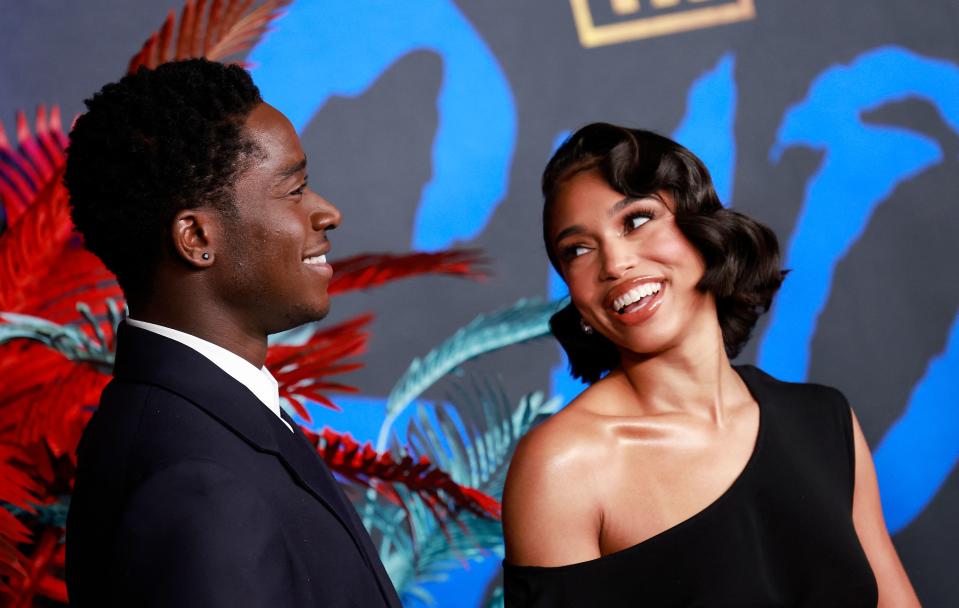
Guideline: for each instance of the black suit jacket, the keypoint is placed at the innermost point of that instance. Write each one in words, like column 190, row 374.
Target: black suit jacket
column 190, row 492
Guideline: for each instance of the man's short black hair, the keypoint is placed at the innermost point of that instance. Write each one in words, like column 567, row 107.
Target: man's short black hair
column 741, row 255
column 155, row 143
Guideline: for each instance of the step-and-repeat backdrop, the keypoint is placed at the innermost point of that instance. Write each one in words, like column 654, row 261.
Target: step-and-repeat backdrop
column 429, row 122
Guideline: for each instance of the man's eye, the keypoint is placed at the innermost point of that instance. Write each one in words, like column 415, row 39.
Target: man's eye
column 299, row 190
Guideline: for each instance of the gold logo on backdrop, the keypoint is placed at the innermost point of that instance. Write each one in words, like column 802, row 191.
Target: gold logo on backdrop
column 635, row 19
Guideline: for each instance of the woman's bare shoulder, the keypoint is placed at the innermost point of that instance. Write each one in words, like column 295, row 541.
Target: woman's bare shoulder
column 572, row 437
column 552, row 499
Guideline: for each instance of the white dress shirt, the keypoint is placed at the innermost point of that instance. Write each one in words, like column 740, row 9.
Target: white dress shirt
column 260, row 382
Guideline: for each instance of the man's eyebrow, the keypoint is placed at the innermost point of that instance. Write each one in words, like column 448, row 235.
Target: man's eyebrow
column 292, row 169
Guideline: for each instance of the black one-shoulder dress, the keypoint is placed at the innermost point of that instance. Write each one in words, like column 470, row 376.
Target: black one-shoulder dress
column 781, row 535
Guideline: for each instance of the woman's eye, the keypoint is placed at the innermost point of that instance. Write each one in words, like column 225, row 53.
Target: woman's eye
column 574, row 251
column 635, row 221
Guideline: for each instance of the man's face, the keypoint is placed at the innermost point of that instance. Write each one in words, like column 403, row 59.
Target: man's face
column 275, row 274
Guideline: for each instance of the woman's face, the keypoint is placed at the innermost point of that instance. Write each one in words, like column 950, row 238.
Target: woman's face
column 631, row 273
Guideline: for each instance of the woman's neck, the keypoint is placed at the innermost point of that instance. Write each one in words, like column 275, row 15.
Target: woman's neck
column 694, row 376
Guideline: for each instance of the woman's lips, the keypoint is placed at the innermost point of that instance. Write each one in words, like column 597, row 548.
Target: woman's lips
column 629, row 288
column 640, row 311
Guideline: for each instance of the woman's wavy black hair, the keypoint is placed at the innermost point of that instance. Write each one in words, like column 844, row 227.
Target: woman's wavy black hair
column 154, row 143
column 741, row 255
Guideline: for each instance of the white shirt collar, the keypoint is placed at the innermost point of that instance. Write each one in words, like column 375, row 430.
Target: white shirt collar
column 260, row 382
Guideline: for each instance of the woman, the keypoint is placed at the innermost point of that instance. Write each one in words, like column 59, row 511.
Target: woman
column 676, row 479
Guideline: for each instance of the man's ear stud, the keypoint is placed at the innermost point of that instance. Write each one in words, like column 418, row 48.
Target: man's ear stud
column 205, row 256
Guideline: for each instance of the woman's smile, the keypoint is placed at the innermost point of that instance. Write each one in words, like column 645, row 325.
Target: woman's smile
column 638, row 303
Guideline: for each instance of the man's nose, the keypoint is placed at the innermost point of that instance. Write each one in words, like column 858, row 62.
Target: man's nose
column 326, row 216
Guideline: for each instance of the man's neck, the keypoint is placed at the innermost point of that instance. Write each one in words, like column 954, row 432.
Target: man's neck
column 217, row 328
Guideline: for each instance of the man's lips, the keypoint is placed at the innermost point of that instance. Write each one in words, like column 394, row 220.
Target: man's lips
column 316, row 260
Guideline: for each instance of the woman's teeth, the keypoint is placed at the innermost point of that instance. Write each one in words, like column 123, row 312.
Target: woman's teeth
column 635, row 295
column 317, row 259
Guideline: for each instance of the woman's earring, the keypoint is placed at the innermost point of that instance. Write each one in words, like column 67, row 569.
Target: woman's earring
column 586, row 327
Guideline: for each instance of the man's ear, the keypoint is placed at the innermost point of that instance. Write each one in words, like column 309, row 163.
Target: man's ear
column 194, row 236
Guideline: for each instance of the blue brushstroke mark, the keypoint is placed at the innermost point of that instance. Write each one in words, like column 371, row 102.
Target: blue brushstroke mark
column 708, row 128
column 862, row 165
column 341, row 47
column 560, row 139
column 361, row 416
column 561, row 383
column 921, row 449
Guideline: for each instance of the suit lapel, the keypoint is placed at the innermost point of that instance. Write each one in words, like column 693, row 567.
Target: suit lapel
column 313, row 472
column 310, row 471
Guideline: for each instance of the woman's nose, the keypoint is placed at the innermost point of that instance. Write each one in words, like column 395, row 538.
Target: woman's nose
column 616, row 259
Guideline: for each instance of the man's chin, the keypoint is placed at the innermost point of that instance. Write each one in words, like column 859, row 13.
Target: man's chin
column 302, row 317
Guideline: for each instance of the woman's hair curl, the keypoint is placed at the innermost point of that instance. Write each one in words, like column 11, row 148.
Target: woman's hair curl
column 741, row 255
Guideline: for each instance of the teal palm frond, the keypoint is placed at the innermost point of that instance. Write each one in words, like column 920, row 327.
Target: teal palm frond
column 69, row 340
column 427, row 554
column 53, row 514
column 525, row 320
column 475, row 447
column 493, row 597
column 475, row 441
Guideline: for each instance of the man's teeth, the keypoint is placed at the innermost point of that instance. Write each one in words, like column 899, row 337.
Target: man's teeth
column 635, row 295
column 317, row 259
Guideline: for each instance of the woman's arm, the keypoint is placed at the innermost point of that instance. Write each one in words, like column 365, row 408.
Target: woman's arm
column 894, row 586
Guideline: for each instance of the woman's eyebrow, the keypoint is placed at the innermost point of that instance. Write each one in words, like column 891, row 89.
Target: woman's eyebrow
column 565, row 232
column 629, row 200
column 620, row 205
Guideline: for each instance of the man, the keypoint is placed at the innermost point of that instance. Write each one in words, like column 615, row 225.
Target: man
column 193, row 487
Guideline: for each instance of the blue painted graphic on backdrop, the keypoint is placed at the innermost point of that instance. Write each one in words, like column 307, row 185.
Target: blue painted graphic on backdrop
column 708, row 126
column 921, row 449
column 862, row 166
column 341, row 47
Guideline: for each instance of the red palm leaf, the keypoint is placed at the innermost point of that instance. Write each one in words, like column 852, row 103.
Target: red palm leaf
column 26, row 170
column 16, row 488
column 29, row 248
column 370, row 270
column 227, row 28
column 47, row 399
column 43, row 270
column 78, row 276
column 365, row 466
column 37, row 578
column 299, row 369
